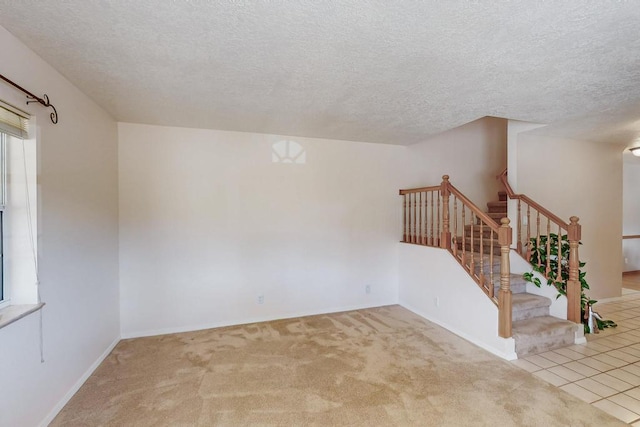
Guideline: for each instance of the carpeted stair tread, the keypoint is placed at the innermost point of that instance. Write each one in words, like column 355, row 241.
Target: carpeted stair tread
column 539, row 334
column 518, row 284
column 476, row 242
column 545, row 326
column 486, row 231
column 484, row 257
column 486, row 246
column 526, row 301
column 529, row 306
column 496, row 215
column 499, row 206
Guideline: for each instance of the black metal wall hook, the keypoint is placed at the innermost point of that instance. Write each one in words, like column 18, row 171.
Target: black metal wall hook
column 32, row 98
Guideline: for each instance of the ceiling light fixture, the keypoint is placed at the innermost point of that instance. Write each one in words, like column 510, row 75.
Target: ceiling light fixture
column 635, row 151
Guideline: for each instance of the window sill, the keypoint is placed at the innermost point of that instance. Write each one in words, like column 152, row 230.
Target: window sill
column 10, row 314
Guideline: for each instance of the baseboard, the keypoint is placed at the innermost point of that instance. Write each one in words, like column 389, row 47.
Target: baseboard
column 503, row 355
column 56, row 409
column 624, row 273
column 238, row 322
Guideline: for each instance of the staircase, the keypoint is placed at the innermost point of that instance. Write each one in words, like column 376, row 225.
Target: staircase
column 534, row 330
column 498, row 209
column 484, row 244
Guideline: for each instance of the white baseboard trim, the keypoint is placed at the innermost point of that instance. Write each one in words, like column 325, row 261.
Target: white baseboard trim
column 237, row 322
column 509, row 355
column 56, row 409
column 579, row 335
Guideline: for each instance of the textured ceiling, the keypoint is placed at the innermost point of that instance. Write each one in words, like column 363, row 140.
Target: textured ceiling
column 381, row 71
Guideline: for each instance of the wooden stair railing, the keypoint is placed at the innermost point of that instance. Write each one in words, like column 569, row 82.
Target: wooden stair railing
column 545, row 224
column 429, row 220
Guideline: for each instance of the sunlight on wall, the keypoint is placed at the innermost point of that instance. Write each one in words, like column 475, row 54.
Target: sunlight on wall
column 285, row 151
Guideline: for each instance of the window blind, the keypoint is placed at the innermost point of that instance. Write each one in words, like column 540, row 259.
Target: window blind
column 13, row 121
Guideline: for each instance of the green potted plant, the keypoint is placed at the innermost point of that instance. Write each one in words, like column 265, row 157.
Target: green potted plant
column 559, row 253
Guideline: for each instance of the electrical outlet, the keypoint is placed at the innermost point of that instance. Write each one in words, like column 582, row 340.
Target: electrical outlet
column 436, row 301
column 260, row 299
column 367, row 289
column 626, row 260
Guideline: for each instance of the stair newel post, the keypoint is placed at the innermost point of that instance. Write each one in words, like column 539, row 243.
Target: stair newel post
column 505, row 236
column 574, row 290
column 445, row 235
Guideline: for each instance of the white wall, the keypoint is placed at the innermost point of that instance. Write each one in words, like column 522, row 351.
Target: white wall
column 472, row 155
column 78, row 232
column 581, row 178
column 208, row 223
column 631, row 214
column 448, row 296
column 514, row 129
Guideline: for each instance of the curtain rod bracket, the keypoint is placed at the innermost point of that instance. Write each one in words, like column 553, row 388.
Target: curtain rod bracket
column 44, row 101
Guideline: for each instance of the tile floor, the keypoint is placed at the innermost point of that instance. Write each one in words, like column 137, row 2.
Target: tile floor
column 606, row 370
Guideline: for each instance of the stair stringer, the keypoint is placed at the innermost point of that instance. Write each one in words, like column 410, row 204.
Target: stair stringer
column 558, row 306
column 435, row 286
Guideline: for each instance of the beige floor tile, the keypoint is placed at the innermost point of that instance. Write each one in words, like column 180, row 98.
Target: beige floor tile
column 616, row 410
column 594, row 338
column 626, row 401
column 568, row 374
column 612, row 382
column 550, row 377
column 594, row 345
column 634, row 332
column 610, row 360
column 634, row 392
column 540, row 361
column 526, row 365
column 627, row 333
column 573, row 355
column 611, row 344
column 630, row 350
column 619, row 340
column 618, row 316
column 555, row 357
column 596, row 364
column 625, row 376
column 635, row 370
column 583, row 349
column 580, row 393
column 596, row 387
column 581, row 368
column 622, row 355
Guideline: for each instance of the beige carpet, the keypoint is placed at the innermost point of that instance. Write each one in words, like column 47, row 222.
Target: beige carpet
column 376, row 367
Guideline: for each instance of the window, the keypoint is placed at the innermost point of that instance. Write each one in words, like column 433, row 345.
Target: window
column 17, row 168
